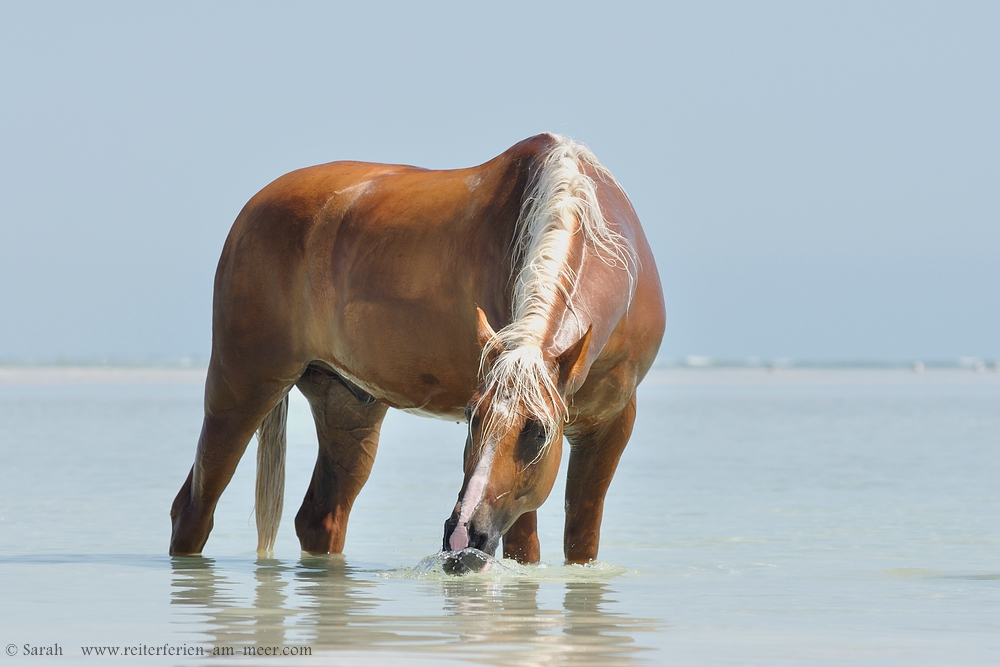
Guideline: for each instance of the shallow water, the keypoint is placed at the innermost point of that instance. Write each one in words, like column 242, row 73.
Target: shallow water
column 821, row 517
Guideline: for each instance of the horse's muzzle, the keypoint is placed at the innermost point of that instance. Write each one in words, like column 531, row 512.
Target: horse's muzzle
column 465, row 562
column 469, row 537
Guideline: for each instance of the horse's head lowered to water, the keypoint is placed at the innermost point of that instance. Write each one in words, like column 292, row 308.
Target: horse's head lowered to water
column 515, row 437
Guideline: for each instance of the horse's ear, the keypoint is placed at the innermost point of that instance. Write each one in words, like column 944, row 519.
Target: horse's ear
column 486, row 334
column 571, row 361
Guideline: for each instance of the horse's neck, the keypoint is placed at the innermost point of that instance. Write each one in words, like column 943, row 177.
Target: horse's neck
column 563, row 242
column 597, row 298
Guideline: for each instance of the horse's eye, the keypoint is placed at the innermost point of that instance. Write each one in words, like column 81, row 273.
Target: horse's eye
column 531, row 441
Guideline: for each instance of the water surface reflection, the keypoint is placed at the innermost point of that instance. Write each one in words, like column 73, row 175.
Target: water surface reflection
column 506, row 621
column 323, row 602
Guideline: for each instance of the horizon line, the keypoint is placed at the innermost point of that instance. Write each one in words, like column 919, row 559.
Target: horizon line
column 686, row 361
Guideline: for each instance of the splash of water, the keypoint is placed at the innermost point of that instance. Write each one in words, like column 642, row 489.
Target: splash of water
column 474, row 564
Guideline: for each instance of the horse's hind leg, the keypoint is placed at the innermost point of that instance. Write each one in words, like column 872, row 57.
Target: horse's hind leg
column 348, row 424
column 235, row 406
column 594, row 454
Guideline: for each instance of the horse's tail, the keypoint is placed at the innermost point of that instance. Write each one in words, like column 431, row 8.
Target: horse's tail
column 270, row 475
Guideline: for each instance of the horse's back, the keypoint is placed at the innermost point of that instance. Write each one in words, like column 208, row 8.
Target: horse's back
column 374, row 270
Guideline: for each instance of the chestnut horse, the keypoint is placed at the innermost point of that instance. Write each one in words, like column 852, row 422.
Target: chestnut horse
column 520, row 295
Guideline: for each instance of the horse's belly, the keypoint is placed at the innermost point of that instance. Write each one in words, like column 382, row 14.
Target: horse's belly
column 416, row 356
column 419, row 393
column 422, row 404
column 452, row 416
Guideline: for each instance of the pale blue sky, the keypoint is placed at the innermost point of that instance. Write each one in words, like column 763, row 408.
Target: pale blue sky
column 818, row 180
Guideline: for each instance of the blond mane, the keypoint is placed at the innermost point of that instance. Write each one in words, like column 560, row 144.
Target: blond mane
column 561, row 202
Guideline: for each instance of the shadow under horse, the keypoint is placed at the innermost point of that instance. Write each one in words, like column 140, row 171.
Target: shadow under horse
column 520, row 295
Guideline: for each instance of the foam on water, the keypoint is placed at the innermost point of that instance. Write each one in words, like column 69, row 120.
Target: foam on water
column 484, row 567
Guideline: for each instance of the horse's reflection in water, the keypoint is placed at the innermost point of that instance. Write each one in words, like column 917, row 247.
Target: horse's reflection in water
column 324, row 603
column 341, row 609
column 508, row 616
column 325, row 599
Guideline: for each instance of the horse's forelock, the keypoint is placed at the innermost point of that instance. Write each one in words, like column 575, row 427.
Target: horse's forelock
column 520, row 385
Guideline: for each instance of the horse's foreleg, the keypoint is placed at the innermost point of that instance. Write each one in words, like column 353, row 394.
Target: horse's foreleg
column 231, row 417
column 520, row 542
column 348, row 429
column 594, row 454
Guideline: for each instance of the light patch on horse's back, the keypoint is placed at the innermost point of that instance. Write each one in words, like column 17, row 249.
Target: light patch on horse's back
column 473, row 181
column 344, row 198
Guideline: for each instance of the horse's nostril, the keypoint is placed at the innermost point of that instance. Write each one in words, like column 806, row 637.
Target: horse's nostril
column 481, row 540
column 477, row 539
column 449, row 528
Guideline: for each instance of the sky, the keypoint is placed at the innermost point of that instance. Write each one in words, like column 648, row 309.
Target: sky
column 817, row 180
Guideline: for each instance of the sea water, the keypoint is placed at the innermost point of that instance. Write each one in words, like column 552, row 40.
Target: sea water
column 757, row 518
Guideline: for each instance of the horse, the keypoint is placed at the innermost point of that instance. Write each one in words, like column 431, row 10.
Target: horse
column 520, row 296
